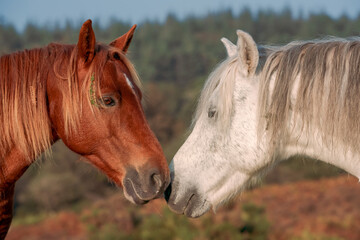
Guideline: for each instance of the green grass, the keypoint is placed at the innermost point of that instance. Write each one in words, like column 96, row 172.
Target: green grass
column 307, row 235
column 28, row 219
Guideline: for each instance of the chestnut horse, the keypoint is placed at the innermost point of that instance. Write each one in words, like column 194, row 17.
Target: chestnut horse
column 87, row 95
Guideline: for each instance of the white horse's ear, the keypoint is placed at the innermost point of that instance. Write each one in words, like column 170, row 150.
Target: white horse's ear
column 248, row 51
column 230, row 47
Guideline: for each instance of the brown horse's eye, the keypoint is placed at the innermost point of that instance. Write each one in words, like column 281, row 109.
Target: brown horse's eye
column 108, row 101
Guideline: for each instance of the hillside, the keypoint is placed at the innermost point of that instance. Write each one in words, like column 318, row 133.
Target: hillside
column 323, row 209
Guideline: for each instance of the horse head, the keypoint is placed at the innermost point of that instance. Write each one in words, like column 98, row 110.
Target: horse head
column 207, row 169
column 96, row 110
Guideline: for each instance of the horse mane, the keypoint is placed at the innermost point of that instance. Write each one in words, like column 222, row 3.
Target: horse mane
column 216, row 93
column 313, row 84
column 23, row 98
column 23, row 107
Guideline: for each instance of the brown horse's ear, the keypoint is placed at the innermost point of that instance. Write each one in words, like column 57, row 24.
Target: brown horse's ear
column 124, row 41
column 86, row 43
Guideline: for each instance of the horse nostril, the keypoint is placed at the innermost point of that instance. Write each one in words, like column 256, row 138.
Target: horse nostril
column 167, row 193
column 157, row 180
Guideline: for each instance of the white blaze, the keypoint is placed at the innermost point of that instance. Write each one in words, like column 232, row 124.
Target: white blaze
column 129, row 82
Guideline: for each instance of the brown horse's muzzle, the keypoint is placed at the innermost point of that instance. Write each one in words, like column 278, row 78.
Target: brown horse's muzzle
column 144, row 184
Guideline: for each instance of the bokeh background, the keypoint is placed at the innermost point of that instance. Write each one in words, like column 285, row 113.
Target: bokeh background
column 176, row 46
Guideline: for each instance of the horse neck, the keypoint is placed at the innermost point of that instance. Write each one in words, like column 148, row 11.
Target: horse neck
column 307, row 143
column 310, row 144
column 311, row 108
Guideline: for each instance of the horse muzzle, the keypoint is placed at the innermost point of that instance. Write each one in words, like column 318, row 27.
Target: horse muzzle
column 143, row 186
column 190, row 203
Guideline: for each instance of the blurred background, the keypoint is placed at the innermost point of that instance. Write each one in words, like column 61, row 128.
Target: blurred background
column 176, row 46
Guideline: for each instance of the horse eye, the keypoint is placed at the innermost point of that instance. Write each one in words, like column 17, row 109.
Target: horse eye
column 211, row 113
column 108, row 101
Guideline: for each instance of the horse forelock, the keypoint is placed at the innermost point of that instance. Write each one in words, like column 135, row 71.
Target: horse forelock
column 312, row 85
column 218, row 93
column 128, row 64
column 90, row 88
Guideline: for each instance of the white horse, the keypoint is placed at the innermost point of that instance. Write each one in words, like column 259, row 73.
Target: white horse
column 305, row 101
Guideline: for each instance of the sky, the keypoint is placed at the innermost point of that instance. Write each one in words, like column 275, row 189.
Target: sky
column 49, row 12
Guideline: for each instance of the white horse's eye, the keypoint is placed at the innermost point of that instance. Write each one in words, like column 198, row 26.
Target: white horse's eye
column 211, row 113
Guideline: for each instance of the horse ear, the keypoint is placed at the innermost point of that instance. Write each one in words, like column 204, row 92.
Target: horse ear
column 247, row 51
column 124, row 41
column 86, row 43
column 231, row 48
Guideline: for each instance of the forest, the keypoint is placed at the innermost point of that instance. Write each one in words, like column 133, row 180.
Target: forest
column 173, row 59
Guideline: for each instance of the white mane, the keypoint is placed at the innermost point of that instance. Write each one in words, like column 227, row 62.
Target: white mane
column 317, row 82
column 217, row 93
